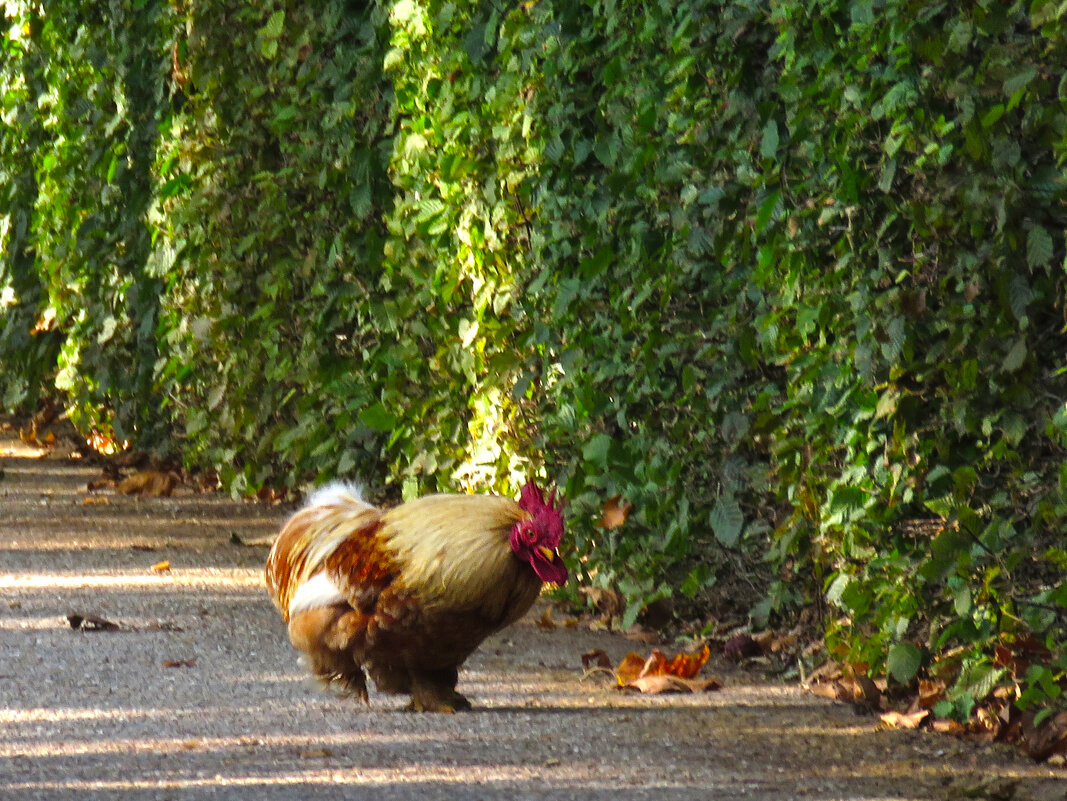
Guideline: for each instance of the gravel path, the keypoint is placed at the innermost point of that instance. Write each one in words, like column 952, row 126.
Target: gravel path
column 199, row 694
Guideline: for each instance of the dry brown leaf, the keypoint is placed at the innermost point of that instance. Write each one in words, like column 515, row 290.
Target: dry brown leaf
column 189, row 745
column 546, row 622
column 597, row 658
column 150, row 483
column 179, row 663
column 783, row 643
column 862, row 690
column 688, row 665
column 827, row 671
column 741, row 646
column 89, row 500
column 634, row 669
column 161, row 567
column 316, row 753
column 639, row 633
column 614, row 512
column 663, row 683
column 764, row 640
column 609, row 602
column 905, row 720
column 828, row 689
column 634, row 665
column 1049, row 738
column 943, row 726
column 930, row 692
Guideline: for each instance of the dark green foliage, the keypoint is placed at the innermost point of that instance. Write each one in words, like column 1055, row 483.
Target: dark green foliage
column 789, row 277
column 27, row 349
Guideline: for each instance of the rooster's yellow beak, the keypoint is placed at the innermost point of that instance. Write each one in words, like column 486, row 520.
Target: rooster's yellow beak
column 548, row 553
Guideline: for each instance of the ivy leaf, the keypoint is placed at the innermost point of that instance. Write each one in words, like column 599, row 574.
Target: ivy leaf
column 766, row 210
column 836, row 590
column 378, row 417
column 727, row 520
column 976, row 681
column 274, row 26
column 846, row 502
column 1038, row 247
column 596, row 450
column 1016, row 356
column 1019, row 80
column 769, row 142
column 887, row 403
column 270, row 33
column 475, row 43
column 903, row 661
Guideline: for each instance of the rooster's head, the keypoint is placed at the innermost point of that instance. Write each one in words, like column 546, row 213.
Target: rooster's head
column 536, row 539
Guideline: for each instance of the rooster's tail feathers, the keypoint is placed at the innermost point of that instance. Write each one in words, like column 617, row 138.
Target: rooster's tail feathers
column 338, row 493
column 333, row 514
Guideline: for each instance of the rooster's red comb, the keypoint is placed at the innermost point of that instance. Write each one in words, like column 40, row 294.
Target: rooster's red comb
column 532, row 499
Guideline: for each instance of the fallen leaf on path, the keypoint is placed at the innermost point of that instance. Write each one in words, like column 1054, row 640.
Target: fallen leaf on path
column 654, row 685
column 597, row 658
column 864, row 691
column 634, row 666
column 316, row 753
column 150, row 483
column 80, row 622
column 904, row 720
column 827, row 671
column 658, row 674
column 639, row 633
column 828, row 689
column 688, row 665
column 609, row 602
column 741, row 646
column 930, row 692
column 545, row 622
column 783, row 643
column 1046, row 739
column 179, row 663
column 161, row 567
column 946, row 726
column 849, row 686
column 90, row 500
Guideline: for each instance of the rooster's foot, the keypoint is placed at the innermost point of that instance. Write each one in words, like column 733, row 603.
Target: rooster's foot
column 435, row 698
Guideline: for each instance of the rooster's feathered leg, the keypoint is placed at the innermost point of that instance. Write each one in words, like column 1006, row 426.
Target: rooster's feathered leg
column 331, row 637
column 435, row 691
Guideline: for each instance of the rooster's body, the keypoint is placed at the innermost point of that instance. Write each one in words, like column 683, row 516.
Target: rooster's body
column 408, row 593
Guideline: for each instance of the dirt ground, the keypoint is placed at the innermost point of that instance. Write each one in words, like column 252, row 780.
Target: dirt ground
column 199, row 694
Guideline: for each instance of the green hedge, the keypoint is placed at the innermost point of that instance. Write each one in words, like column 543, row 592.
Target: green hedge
column 788, row 277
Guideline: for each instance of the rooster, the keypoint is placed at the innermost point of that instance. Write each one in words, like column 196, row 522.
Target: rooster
column 408, row 593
